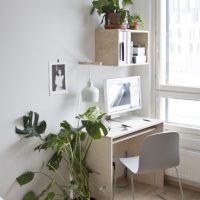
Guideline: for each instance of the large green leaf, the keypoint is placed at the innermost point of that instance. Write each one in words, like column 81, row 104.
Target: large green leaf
column 50, row 142
column 103, row 127
column 31, row 125
column 127, row 2
column 41, row 127
column 92, row 121
column 101, row 116
column 91, row 113
column 26, row 121
column 25, row 178
column 123, row 14
column 30, row 196
column 50, row 196
column 95, row 131
column 54, row 161
column 65, row 125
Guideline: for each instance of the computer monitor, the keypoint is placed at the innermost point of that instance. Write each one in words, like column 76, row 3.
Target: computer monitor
column 122, row 95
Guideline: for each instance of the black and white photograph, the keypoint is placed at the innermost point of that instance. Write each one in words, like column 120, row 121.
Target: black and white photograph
column 57, row 78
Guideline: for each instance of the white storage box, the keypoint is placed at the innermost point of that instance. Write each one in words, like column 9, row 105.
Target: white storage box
column 139, row 59
column 139, row 51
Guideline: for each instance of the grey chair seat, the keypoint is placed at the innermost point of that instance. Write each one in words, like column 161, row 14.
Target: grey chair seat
column 158, row 151
column 132, row 163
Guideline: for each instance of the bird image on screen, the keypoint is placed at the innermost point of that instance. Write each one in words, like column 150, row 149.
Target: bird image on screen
column 122, row 94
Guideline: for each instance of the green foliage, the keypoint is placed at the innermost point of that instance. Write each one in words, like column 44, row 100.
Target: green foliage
column 30, row 196
column 50, row 196
column 111, row 6
column 32, row 127
column 25, row 178
column 70, row 145
column 45, row 191
column 135, row 18
column 92, row 120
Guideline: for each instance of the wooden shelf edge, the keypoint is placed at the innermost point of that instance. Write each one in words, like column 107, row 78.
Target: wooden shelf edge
column 101, row 64
column 127, row 65
column 89, row 63
column 133, row 64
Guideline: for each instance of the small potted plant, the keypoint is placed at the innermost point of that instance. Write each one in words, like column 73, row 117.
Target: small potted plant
column 114, row 15
column 135, row 21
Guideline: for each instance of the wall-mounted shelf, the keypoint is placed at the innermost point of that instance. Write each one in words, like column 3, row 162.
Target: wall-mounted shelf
column 113, row 46
column 89, row 63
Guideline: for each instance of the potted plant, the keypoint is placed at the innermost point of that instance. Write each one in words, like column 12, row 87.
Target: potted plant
column 135, row 21
column 114, row 14
column 70, row 145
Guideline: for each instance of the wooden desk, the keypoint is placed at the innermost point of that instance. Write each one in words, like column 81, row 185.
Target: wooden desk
column 119, row 140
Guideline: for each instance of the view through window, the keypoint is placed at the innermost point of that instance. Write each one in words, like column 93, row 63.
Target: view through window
column 180, row 61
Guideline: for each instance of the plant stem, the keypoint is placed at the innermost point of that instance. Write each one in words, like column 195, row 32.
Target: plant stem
column 87, row 147
column 52, row 180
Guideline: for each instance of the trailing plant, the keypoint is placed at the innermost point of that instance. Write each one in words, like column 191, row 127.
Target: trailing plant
column 111, row 6
column 72, row 146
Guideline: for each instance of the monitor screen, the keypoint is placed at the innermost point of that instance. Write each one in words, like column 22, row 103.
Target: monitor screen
column 122, row 94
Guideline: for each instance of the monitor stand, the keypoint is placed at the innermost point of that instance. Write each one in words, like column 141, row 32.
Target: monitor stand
column 112, row 117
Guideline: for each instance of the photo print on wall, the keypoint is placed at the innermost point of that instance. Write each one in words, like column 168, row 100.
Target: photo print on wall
column 57, row 78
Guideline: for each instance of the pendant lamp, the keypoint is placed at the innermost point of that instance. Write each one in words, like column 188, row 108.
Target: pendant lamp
column 90, row 93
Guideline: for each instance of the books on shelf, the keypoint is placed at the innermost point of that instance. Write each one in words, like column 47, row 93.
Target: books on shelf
column 139, row 56
column 130, row 52
column 125, row 47
column 128, row 47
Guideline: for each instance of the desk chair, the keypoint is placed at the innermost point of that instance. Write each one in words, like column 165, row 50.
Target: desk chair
column 158, row 151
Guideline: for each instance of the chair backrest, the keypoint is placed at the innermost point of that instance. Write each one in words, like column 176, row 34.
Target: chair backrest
column 159, row 151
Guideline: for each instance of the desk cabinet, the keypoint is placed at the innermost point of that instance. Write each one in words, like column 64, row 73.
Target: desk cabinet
column 103, row 152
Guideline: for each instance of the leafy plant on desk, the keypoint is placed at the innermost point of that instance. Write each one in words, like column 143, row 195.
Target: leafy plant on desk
column 70, row 145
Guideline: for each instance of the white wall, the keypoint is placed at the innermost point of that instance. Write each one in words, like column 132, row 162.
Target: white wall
column 32, row 33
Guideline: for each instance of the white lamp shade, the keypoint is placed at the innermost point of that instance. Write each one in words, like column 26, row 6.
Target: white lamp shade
column 90, row 93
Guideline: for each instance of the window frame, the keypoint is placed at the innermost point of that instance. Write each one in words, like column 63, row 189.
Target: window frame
column 167, row 90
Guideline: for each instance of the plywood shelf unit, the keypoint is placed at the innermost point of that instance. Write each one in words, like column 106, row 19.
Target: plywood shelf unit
column 108, row 46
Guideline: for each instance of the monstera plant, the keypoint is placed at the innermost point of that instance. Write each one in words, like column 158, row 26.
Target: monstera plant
column 70, row 145
column 31, row 125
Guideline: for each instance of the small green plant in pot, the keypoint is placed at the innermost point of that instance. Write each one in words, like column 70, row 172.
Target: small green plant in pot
column 71, row 145
column 135, row 21
column 113, row 13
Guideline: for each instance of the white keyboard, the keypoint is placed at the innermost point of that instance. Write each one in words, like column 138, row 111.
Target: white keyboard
column 136, row 122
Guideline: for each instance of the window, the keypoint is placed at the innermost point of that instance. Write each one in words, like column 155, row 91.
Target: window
column 178, row 85
column 181, row 111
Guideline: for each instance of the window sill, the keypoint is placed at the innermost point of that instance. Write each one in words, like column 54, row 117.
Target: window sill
column 189, row 137
column 184, row 129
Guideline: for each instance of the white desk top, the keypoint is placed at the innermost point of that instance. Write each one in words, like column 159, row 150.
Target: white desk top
column 131, row 125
